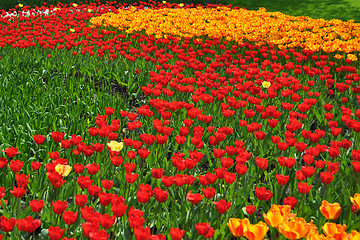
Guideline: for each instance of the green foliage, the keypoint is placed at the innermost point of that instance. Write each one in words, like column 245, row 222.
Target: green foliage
column 41, row 94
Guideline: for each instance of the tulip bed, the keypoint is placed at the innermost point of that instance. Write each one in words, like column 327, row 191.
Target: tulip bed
column 173, row 121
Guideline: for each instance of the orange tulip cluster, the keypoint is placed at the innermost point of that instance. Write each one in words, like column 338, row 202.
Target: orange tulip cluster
column 243, row 228
column 238, row 25
column 292, row 227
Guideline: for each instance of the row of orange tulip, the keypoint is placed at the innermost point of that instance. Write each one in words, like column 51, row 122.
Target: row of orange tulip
column 281, row 218
column 238, row 25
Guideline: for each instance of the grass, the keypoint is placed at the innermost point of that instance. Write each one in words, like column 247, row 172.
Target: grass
column 326, row 9
column 43, row 94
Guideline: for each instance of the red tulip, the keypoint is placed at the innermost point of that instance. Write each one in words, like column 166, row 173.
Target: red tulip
column 70, row 217
column 11, row 152
column 107, row 184
column 7, row 225
column 94, row 190
column 304, row 187
column 194, row 198
column 176, row 233
column 119, row 209
column 34, row 165
column 28, row 224
column 90, row 227
column 106, row 221
column 16, row 165
column 55, row 233
column 92, row 168
column 281, row 179
column 18, row 192
column 222, row 206
column 250, row 209
column 36, row 205
column 81, row 200
column 59, row 206
column 57, row 136
column 263, row 194
column 39, row 139
column 3, row 162
column 84, row 182
column 99, row 235
column 142, row 233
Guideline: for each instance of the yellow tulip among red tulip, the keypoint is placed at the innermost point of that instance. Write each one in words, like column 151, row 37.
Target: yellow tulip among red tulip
column 330, row 210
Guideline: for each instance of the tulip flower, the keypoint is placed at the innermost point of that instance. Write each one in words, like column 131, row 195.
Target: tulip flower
column 294, row 229
column 277, row 215
column 356, row 200
column 330, row 211
column 115, row 146
column 333, row 230
column 63, row 170
column 238, row 226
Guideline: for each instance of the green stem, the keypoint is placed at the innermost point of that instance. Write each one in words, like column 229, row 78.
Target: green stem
column 299, row 210
column 356, row 181
column 326, row 191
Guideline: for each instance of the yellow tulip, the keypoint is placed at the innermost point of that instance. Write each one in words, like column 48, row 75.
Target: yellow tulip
column 266, row 84
column 330, row 210
column 20, row 5
column 333, row 229
column 338, row 56
column 256, row 231
column 238, row 226
column 277, row 215
column 356, row 200
column 295, row 229
column 115, row 146
column 181, row 5
column 75, row 5
column 351, row 57
column 63, row 170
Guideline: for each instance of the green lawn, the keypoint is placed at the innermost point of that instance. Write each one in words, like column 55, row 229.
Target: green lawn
column 327, row 9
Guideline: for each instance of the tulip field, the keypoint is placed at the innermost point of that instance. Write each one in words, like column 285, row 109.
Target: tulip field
column 158, row 120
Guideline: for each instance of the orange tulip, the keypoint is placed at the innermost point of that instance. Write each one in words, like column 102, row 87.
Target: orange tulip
column 295, row 229
column 316, row 236
column 330, row 210
column 312, row 229
column 356, row 200
column 354, row 235
column 238, row 226
column 332, row 229
column 277, row 215
column 256, row 231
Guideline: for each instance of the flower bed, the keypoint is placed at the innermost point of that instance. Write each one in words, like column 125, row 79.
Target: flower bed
column 244, row 137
